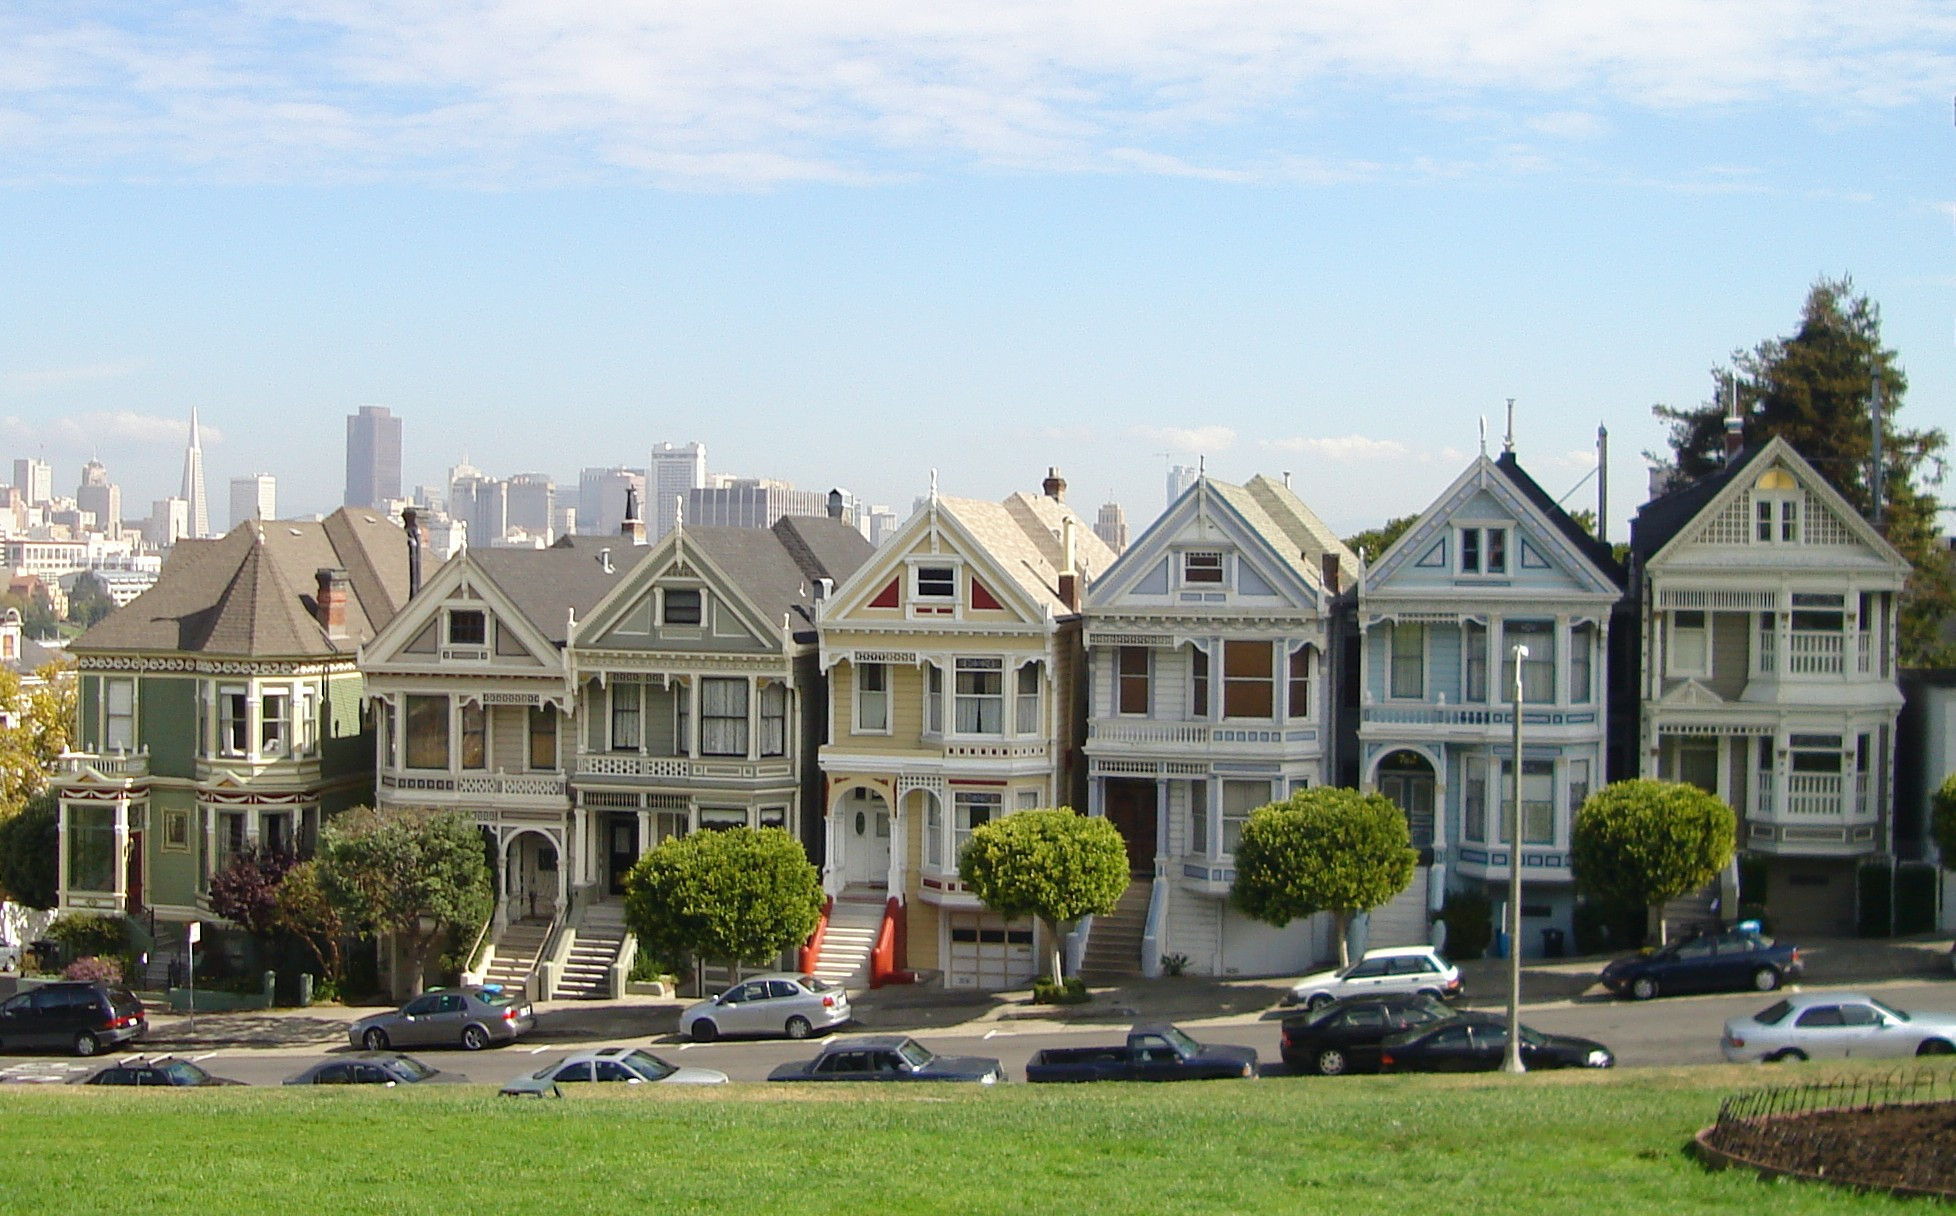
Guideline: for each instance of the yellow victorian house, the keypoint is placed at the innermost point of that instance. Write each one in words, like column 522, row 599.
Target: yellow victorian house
column 956, row 695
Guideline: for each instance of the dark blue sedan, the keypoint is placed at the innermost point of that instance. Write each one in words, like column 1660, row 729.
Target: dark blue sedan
column 1733, row 960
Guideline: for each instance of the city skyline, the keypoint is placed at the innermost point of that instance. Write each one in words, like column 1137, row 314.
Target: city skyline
column 1322, row 241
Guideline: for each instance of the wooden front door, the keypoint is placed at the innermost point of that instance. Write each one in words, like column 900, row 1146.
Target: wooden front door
column 1131, row 809
column 622, row 838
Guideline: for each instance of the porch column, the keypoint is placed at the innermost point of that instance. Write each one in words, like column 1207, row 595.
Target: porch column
column 120, row 876
column 580, row 843
column 61, row 855
column 210, row 842
column 563, row 875
column 644, row 833
column 898, row 851
column 1161, row 824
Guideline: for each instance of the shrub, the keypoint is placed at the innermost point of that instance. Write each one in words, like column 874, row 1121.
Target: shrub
column 1323, row 849
column 1174, row 964
column 94, row 969
column 1469, row 918
column 1049, row 863
column 1072, row 991
column 83, row 935
column 742, row 895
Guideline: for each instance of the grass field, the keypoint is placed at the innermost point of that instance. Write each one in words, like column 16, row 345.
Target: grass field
column 1567, row 1144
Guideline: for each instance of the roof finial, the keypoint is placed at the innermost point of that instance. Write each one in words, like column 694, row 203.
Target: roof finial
column 933, row 487
column 1508, row 444
column 1483, row 434
column 1201, row 466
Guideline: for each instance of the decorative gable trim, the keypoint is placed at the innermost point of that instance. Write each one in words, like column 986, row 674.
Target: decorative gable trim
column 1827, row 519
column 1207, row 521
column 459, row 583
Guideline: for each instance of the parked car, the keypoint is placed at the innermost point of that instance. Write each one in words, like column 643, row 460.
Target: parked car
column 794, row 1005
column 471, row 1017
column 888, row 1058
column 167, row 1070
column 1819, row 1025
column 1344, row 1036
column 1478, row 1042
column 75, row 1015
column 619, row 1065
column 375, row 1068
column 1157, row 1052
column 1729, row 960
column 1418, row 969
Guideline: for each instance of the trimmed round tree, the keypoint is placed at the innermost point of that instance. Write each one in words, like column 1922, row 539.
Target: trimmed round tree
column 1942, row 822
column 409, row 872
column 1646, row 842
column 1054, row 865
column 1324, row 849
column 742, row 895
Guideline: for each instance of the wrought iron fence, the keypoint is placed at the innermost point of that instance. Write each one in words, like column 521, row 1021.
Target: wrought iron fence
column 1799, row 1128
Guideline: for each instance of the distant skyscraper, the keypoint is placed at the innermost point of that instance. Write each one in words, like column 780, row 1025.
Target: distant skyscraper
column 675, row 469
column 193, row 482
column 254, row 497
column 532, row 501
column 35, row 480
column 102, row 496
column 480, row 501
column 882, row 524
column 169, row 522
column 373, row 457
column 751, row 502
column 1111, row 526
column 1180, row 478
column 601, row 499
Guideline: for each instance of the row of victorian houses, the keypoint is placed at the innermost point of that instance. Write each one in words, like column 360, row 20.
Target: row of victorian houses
column 587, row 701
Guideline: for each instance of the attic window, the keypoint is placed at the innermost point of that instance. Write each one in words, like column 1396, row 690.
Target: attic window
column 467, row 627
column 681, row 607
column 937, row 582
column 1202, row 568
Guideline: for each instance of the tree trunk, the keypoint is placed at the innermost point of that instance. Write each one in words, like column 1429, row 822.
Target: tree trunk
column 1654, row 922
column 417, row 949
column 1342, row 925
column 1059, row 953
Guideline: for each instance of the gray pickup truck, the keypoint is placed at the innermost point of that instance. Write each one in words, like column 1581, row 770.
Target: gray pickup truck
column 1158, row 1052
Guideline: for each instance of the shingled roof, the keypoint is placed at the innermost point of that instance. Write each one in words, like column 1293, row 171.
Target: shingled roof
column 1600, row 554
column 1662, row 518
column 777, row 567
column 250, row 594
column 1025, row 534
column 546, row 585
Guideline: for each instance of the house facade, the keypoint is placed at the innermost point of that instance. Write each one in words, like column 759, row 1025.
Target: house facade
column 1767, row 672
column 956, row 695
column 222, row 710
column 1208, row 649
column 1491, row 566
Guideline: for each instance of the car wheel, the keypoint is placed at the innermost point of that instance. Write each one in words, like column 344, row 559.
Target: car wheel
column 798, row 1027
column 1643, row 988
column 1318, row 1001
column 474, row 1038
column 1331, row 1062
column 1765, row 979
column 1936, row 1047
column 704, row 1031
column 86, row 1044
column 375, row 1039
column 1432, row 994
column 1787, row 1055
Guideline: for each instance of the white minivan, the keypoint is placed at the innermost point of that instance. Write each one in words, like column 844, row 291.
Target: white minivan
column 1394, row 969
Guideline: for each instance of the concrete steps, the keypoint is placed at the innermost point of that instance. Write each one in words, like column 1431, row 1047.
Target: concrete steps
column 587, row 972
column 851, row 938
column 517, row 948
column 1114, row 947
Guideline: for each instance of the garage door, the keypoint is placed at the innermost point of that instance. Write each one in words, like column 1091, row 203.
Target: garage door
column 989, row 952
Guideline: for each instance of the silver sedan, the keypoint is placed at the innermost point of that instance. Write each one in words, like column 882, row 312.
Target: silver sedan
column 471, row 1017
column 1836, row 1025
column 787, row 1004
column 619, row 1065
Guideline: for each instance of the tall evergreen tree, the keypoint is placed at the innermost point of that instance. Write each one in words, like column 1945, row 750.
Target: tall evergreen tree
column 1815, row 389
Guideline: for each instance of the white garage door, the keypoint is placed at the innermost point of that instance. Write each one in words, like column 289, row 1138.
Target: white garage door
column 989, row 952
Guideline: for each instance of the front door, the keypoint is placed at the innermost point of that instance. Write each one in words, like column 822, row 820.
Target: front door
column 1131, row 809
column 622, row 849
column 866, row 841
column 134, row 885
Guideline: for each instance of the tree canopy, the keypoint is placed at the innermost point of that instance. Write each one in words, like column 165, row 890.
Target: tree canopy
column 412, row 873
column 1053, row 864
column 300, row 906
column 29, row 748
column 1644, row 842
column 1370, row 543
column 30, row 848
column 1324, row 849
column 245, row 891
column 1814, row 389
column 1942, row 821
column 740, row 895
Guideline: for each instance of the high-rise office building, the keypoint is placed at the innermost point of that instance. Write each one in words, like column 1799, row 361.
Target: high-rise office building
column 675, row 469
column 601, row 499
column 1111, row 526
column 1180, row 478
column 532, row 499
column 168, row 523
column 751, row 502
column 480, row 501
column 102, row 496
column 373, row 457
column 193, row 483
column 35, row 480
column 254, row 497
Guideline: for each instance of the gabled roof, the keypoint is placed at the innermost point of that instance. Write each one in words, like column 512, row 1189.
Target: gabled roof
column 1277, row 513
column 1665, row 516
column 251, row 593
column 776, row 567
column 1599, row 553
column 547, row 585
column 1025, row 534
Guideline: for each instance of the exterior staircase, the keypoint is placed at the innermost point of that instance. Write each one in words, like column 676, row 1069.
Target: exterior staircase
column 851, row 937
column 587, row 972
column 1114, row 946
column 1689, row 913
column 517, row 948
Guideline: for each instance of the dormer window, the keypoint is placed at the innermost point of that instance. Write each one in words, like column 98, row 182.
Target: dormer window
column 680, row 606
column 1483, row 550
column 468, row 627
column 937, row 583
column 1202, row 569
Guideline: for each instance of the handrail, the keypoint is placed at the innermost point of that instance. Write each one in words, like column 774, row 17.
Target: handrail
column 476, row 963
column 621, row 967
column 1074, row 946
column 1153, row 927
column 540, row 981
column 811, row 953
column 882, row 959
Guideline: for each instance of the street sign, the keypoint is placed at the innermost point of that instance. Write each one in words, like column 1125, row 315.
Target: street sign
column 196, row 931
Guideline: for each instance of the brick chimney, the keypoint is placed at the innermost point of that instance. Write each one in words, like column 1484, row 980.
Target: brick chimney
column 333, row 592
column 412, row 523
column 1330, row 567
column 1054, row 485
column 1734, row 426
column 633, row 529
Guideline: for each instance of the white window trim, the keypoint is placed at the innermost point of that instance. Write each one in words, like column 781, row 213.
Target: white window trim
column 1007, row 697
column 1425, row 661
column 856, row 726
column 662, row 624
column 1185, row 583
column 916, row 567
column 1674, row 666
column 1485, row 528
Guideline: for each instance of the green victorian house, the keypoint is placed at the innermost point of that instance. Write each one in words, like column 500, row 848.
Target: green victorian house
column 222, row 709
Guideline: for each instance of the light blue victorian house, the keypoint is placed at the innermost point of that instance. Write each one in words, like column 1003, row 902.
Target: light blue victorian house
column 1494, row 564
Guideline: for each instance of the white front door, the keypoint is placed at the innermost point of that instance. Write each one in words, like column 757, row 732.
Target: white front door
column 865, row 825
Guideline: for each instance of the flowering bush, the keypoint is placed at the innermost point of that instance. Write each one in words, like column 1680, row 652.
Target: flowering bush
column 95, row 969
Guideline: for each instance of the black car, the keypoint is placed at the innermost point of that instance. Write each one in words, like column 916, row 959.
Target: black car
column 72, row 1015
column 166, row 1071
column 1730, row 960
column 1345, row 1037
column 888, row 1058
column 1478, row 1042
column 374, row 1068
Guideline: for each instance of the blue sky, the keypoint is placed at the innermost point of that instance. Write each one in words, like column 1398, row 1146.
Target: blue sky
column 851, row 242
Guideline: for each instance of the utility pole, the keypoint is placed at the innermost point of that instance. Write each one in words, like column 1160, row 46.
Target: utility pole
column 1603, row 484
column 1513, row 1061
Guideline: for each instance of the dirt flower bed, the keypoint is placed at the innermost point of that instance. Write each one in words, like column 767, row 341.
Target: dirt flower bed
column 1911, row 1148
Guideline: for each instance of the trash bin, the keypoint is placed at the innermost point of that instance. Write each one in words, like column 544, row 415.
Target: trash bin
column 1552, row 943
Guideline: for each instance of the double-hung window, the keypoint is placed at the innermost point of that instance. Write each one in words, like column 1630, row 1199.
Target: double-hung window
column 1473, row 799
column 872, row 698
column 774, row 720
column 1537, row 801
column 937, row 583
column 1537, row 670
column 1299, row 706
column 1473, row 644
column 1199, row 818
column 1239, row 798
column 543, row 739
column 625, row 710
column 233, row 721
column 1582, row 659
column 1198, row 683
column 1408, row 674
column 1248, row 682
column 934, row 699
column 1776, row 520
column 1690, row 649
column 1131, row 680
column 980, row 696
column 723, row 717
column 475, row 735
column 119, row 715
column 1026, row 716
column 933, row 833
column 274, row 722
column 972, row 810
column 426, row 722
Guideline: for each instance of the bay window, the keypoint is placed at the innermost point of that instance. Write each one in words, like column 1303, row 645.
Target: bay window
column 1198, row 683
column 625, row 710
column 426, row 724
column 475, row 735
column 1582, row 650
column 233, row 721
column 1131, row 680
column 774, row 720
column 981, row 696
column 543, row 738
column 971, row 810
column 1239, row 798
column 91, row 847
column 872, row 698
column 274, row 722
column 1026, row 717
column 1248, row 683
column 1538, row 669
column 119, row 715
column 1537, row 801
column 1199, row 818
column 1407, row 643
column 723, row 717
column 1473, row 799
column 1473, row 644
column 933, row 833
column 1299, row 700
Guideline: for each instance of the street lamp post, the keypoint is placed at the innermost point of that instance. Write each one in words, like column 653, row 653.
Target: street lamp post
column 1512, row 1063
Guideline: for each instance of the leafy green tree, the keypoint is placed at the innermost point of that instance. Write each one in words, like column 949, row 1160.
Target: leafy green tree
column 300, row 906
column 1814, row 390
column 245, row 891
column 742, row 895
column 88, row 601
column 29, row 748
column 1645, row 842
column 1942, row 814
column 1052, row 864
column 411, row 873
column 1372, row 542
column 30, row 848
column 1325, row 849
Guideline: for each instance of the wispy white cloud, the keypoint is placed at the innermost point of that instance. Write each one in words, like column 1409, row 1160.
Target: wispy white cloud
column 1345, row 449
column 1212, row 438
column 109, row 427
column 62, row 377
column 752, row 92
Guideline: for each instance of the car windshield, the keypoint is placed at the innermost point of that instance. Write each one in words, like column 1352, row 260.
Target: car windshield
column 1890, row 1010
column 543, row 1074
column 915, row 1054
column 1533, row 1037
column 183, row 1072
column 409, row 1068
column 1773, row 1014
column 814, row 985
column 1182, row 1041
column 649, row 1066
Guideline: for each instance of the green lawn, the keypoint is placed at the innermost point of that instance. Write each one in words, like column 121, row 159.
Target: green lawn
column 1571, row 1145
